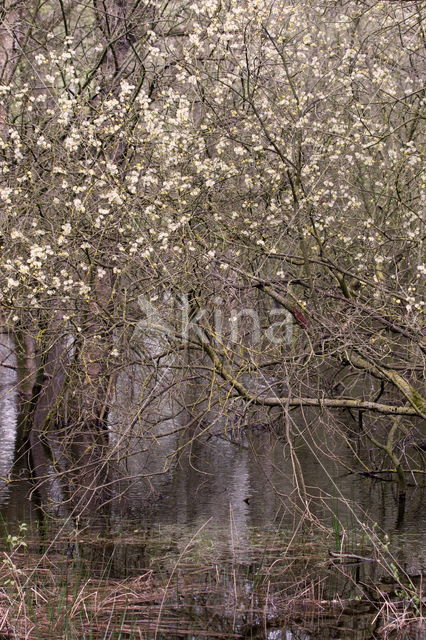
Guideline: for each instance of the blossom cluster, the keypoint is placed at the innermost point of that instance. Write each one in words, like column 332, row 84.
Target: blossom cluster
column 258, row 131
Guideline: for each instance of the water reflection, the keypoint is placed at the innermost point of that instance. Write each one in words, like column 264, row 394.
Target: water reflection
column 239, row 485
column 236, row 480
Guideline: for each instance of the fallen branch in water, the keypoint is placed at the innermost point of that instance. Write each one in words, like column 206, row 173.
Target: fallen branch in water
column 378, row 471
column 352, row 557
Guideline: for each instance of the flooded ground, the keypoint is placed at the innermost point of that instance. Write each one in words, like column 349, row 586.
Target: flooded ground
column 165, row 581
column 219, row 554
column 223, row 546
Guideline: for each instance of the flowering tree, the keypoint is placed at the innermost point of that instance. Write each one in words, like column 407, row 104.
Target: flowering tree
column 225, row 163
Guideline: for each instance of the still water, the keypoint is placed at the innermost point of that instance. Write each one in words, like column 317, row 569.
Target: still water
column 227, row 515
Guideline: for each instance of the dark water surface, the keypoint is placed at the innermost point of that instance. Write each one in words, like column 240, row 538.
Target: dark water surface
column 224, row 523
